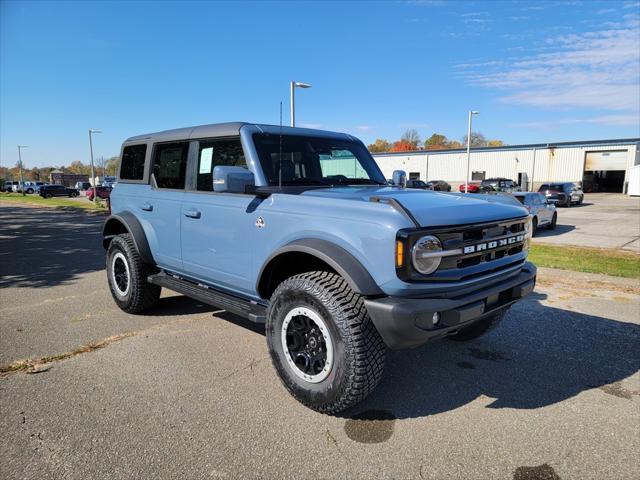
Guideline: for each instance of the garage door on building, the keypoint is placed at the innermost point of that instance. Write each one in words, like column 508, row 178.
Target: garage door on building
column 599, row 161
column 605, row 171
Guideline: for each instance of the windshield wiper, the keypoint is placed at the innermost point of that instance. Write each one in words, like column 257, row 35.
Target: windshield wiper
column 357, row 181
column 305, row 181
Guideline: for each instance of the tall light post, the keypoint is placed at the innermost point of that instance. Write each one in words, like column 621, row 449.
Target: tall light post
column 93, row 176
column 466, row 181
column 20, row 147
column 293, row 99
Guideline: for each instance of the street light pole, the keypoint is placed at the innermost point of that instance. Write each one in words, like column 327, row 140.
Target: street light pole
column 466, row 181
column 93, row 177
column 293, row 99
column 20, row 147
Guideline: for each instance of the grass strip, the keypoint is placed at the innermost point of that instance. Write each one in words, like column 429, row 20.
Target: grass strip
column 584, row 259
column 55, row 202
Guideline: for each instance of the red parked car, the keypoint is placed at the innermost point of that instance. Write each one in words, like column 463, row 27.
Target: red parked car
column 102, row 192
column 474, row 187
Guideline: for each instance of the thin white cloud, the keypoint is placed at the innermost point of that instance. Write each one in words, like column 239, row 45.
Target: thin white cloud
column 599, row 69
column 364, row 128
column 624, row 120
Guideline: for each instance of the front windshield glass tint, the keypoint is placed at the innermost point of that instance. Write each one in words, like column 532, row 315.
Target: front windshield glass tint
column 301, row 160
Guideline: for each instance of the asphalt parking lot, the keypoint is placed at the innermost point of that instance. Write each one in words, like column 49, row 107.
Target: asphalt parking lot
column 604, row 220
column 188, row 392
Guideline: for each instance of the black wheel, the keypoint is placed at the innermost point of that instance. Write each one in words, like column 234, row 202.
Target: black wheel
column 479, row 328
column 322, row 342
column 534, row 226
column 554, row 221
column 127, row 275
column 30, row 190
column 581, row 200
column 568, row 203
column 48, row 195
column 74, row 194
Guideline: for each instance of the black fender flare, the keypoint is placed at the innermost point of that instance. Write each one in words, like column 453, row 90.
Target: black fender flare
column 343, row 262
column 131, row 224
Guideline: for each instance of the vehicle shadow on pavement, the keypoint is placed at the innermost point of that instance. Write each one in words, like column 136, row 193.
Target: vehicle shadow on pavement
column 559, row 230
column 179, row 305
column 45, row 247
column 538, row 356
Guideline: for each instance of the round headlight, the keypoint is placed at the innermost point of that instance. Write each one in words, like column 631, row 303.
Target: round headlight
column 425, row 254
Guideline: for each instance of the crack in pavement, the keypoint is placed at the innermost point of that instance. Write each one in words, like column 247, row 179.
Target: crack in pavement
column 38, row 365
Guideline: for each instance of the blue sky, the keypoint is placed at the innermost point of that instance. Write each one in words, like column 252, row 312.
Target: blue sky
column 537, row 71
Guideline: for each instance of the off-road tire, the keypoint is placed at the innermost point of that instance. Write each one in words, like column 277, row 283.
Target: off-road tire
column 554, row 222
column 358, row 350
column 479, row 328
column 140, row 294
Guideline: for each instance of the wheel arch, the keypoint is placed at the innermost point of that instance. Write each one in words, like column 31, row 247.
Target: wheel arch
column 311, row 254
column 126, row 222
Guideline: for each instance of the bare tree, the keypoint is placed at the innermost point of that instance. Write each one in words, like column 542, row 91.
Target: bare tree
column 412, row 137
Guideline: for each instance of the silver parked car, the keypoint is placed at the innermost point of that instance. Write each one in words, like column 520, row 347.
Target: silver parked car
column 542, row 211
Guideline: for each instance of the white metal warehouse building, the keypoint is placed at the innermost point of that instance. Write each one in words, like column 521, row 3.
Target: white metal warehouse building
column 601, row 166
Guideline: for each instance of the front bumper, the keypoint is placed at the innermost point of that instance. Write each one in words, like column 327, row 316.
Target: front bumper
column 408, row 322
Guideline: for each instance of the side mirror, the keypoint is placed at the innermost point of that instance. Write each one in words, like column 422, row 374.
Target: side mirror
column 399, row 178
column 232, row 179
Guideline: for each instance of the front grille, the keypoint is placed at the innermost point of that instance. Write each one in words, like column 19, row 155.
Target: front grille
column 479, row 254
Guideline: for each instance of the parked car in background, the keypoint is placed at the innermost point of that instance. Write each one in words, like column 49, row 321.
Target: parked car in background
column 48, row 191
column 32, row 187
column 499, row 185
column 82, row 186
column 563, row 194
column 416, row 184
column 543, row 212
column 8, row 186
column 101, row 192
column 38, row 187
column 473, row 187
column 439, row 186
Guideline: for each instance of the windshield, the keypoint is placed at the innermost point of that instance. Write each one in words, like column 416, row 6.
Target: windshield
column 553, row 186
column 302, row 160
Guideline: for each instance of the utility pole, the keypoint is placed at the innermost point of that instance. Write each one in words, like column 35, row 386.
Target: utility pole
column 466, row 181
column 20, row 147
column 93, row 176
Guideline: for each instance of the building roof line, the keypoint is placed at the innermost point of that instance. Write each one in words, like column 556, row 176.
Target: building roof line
column 585, row 143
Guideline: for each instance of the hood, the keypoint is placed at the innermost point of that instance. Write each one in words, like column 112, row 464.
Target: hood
column 431, row 209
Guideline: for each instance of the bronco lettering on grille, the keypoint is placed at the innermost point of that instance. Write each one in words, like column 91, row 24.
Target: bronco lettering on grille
column 503, row 242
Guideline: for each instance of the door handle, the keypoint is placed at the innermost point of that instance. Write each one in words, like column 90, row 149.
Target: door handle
column 192, row 213
column 147, row 207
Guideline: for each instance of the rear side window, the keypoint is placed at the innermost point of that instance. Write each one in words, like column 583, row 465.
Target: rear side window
column 213, row 153
column 132, row 165
column 170, row 165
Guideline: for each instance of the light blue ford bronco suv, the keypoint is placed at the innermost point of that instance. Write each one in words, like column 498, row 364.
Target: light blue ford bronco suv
column 298, row 229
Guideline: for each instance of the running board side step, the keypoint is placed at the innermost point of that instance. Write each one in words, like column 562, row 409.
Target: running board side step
column 250, row 310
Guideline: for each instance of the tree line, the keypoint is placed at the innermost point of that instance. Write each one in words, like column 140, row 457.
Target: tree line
column 410, row 140
column 102, row 167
